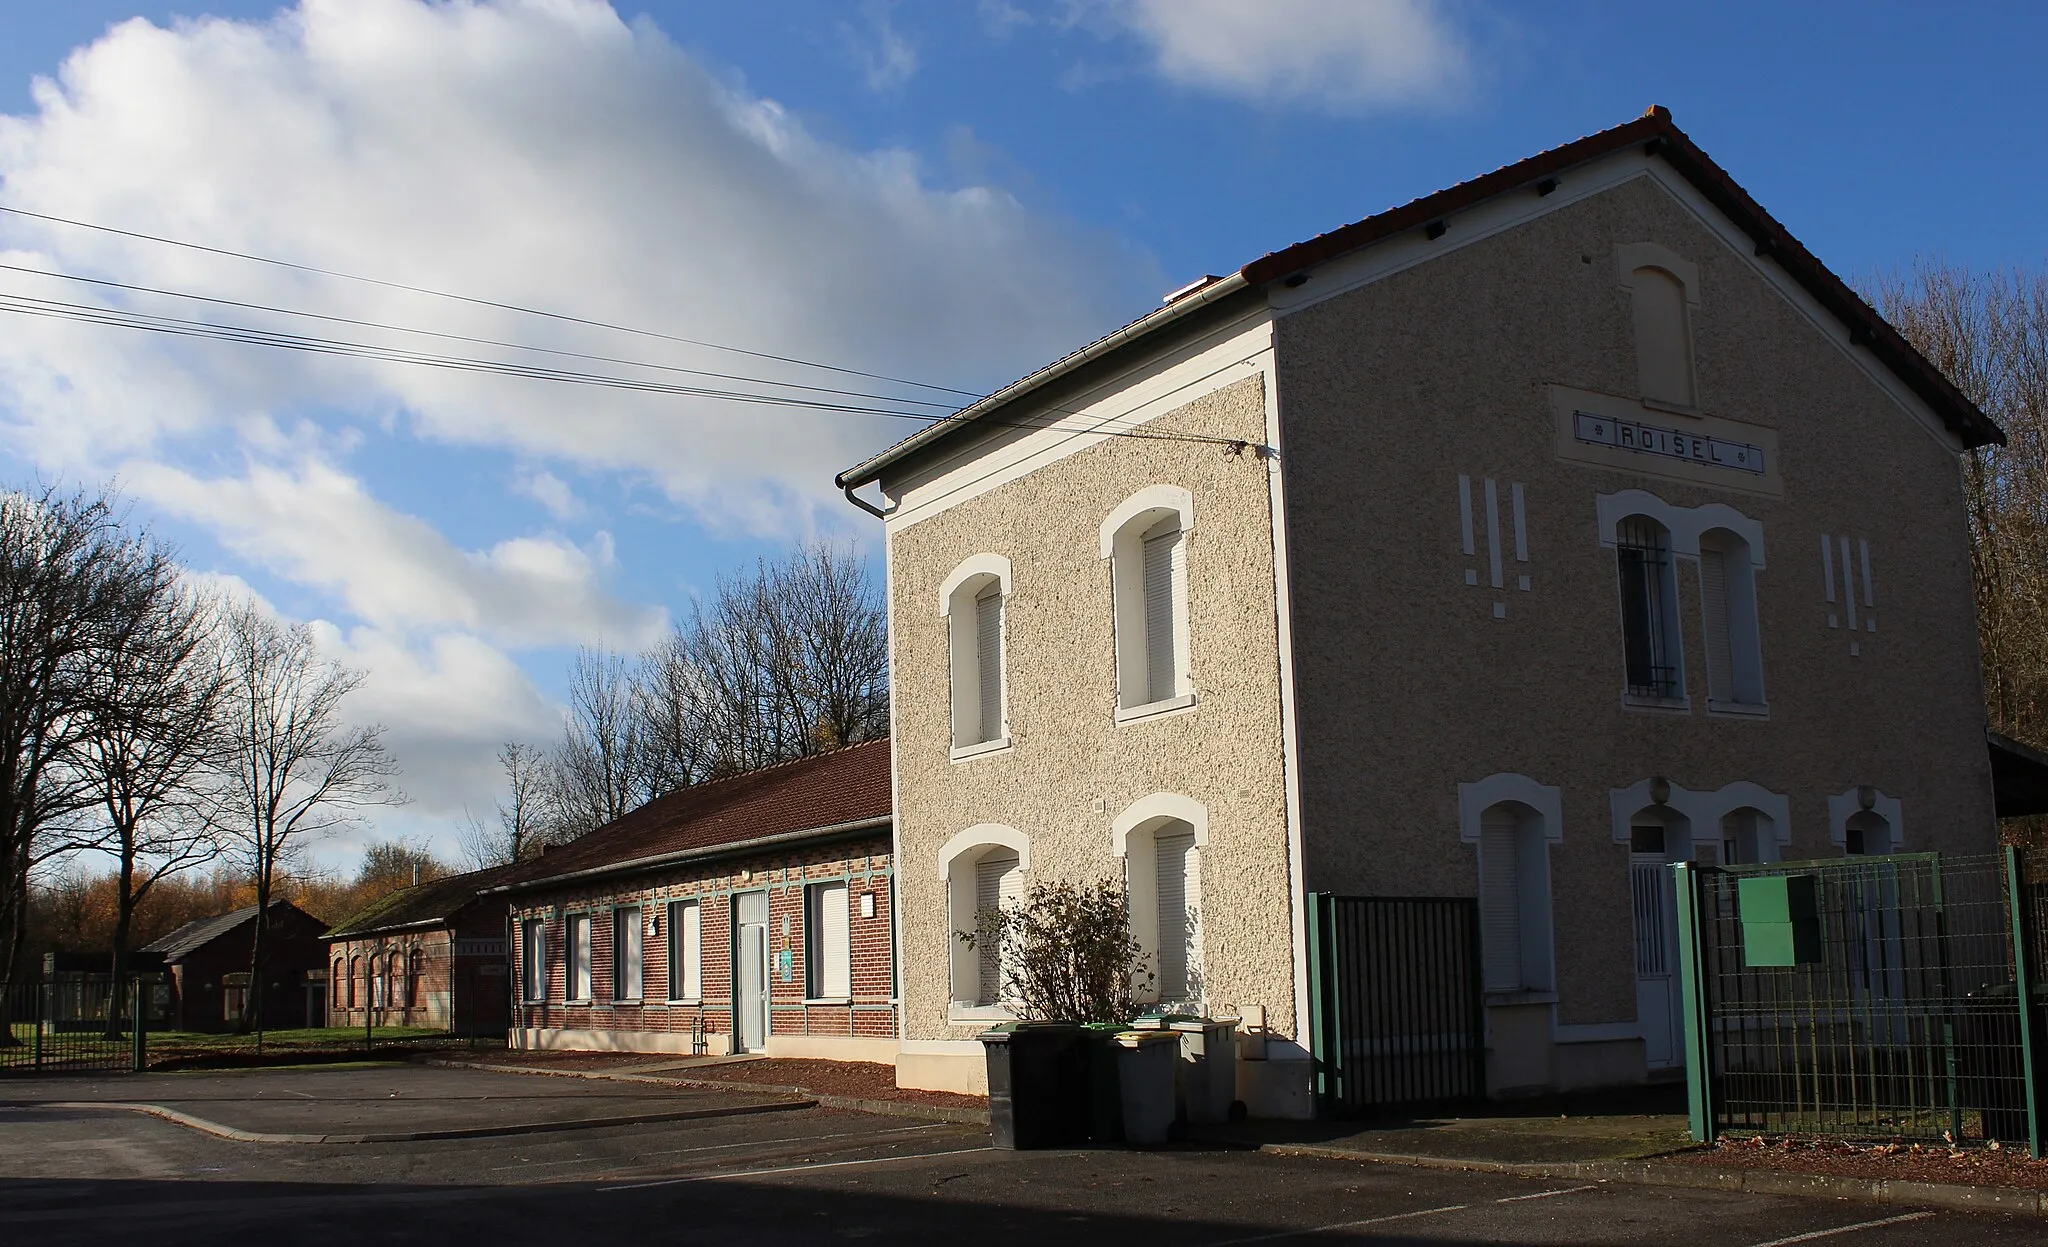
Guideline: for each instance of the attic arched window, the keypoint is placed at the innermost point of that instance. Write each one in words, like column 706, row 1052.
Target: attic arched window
column 1663, row 290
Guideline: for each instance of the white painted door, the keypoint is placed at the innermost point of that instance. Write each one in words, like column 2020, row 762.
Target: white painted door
column 1654, row 904
column 752, row 957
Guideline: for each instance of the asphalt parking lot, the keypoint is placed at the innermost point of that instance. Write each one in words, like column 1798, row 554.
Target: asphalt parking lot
column 78, row 1174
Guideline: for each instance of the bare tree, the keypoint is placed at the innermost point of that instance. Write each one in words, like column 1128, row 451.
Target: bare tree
column 68, row 571
column 526, row 813
column 154, row 729
column 1989, row 333
column 295, row 769
column 599, row 764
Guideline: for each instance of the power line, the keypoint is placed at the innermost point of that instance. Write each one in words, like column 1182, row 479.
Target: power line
column 172, row 326
column 479, row 302
column 1231, row 443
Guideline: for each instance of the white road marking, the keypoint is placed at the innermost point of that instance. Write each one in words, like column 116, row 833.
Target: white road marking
column 1844, row 1229
column 1570, row 1190
column 1340, row 1225
column 762, row 1173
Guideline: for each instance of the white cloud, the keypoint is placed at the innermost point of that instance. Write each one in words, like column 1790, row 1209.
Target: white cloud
column 537, row 152
column 1338, row 54
column 887, row 59
column 317, row 526
column 550, row 491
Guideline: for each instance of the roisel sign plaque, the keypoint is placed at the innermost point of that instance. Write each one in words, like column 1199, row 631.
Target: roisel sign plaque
column 1666, row 443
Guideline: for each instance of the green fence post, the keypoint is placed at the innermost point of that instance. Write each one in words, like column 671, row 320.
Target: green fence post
column 2023, row 983
column 1699, row 1075
column 1318, row 1009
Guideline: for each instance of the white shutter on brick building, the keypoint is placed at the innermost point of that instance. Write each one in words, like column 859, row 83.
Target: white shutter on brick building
column 831, row 941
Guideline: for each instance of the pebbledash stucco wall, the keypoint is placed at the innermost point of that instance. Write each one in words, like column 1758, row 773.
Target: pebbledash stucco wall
column 1409, row 684
column 1071, row 769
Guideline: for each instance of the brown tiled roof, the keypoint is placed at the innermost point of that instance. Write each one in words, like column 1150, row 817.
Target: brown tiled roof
column 200, row 932
column 1656, row 132
column 826, row 791
column 436, row 900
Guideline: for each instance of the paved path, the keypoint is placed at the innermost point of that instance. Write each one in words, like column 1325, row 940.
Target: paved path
column 78, row 1176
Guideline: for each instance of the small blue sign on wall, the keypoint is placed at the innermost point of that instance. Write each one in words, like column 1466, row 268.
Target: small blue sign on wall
column 784, row 964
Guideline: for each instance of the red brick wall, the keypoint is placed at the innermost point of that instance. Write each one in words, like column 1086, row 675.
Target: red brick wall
column 863, row 864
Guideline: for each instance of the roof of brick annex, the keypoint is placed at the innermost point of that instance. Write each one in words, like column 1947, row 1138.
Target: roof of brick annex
column 202, row 931
column 436, row 900
column 1658, row 134
column 827, row 790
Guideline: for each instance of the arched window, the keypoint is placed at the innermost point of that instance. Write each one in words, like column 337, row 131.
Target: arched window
column 339, row 984
column 378, row 982
column 355, row 975
column 1748, row 836
column 1145, row 541
column 1863, row 821
column 1161, row 839
column 1735, row 673
column 1650, row 646
column 1663, row 289
column 414, row 964
column 1866, row 833
column 984, row 869
column 1511, row 821
column 972, row 602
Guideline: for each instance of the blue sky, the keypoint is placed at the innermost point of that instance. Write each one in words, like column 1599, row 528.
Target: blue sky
column 948, row 191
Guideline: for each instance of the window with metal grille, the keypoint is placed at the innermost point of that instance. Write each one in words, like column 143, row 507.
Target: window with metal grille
column 685, row 951
column 1649, row 624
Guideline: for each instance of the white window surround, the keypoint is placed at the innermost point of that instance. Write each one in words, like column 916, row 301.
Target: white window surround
column 1130, row 839
column 958, row 595
column 1537, row 940
column 1630, row 256
column 1848, row 803
column 1630, row 261
column 957, row 859
column 1685, row 524
column 1701, row 812
column 1121, row 540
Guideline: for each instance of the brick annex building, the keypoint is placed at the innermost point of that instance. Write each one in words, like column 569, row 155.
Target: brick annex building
column 429, row 955
column 751, row 914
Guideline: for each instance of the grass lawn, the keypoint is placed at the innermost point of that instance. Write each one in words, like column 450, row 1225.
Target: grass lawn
column 170, row 1043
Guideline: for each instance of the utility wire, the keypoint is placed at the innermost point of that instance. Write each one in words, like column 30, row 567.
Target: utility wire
column 470, row 299
column 1233, row 444
column 29, row 305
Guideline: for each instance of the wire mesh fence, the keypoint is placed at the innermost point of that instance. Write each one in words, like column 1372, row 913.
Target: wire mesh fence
column 1872, row 998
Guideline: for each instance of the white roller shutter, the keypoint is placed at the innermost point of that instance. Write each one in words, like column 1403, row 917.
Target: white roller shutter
column 988, row 652
column 998, row 883
column 1500, row 900
column 832, row 941
column 1175, row 857
column 686, row 949
column 1714, row 604
column 1163, row 569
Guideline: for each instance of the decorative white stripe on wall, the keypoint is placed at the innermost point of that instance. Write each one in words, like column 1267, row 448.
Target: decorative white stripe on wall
column 1865, row 621
column 1490, row 493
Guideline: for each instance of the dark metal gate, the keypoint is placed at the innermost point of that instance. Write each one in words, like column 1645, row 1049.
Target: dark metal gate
column 1395, row 1010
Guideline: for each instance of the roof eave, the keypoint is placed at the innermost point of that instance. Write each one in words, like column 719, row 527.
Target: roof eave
column 737, row 848
column 1145, row 326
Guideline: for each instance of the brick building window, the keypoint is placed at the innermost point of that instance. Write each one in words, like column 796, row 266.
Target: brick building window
column 576, row 958
column 628, row 948
column 685, row 951
column 828, row 942
column 533, row 939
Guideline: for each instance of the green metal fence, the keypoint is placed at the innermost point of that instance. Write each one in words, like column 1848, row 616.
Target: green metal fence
column 1864, row 997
